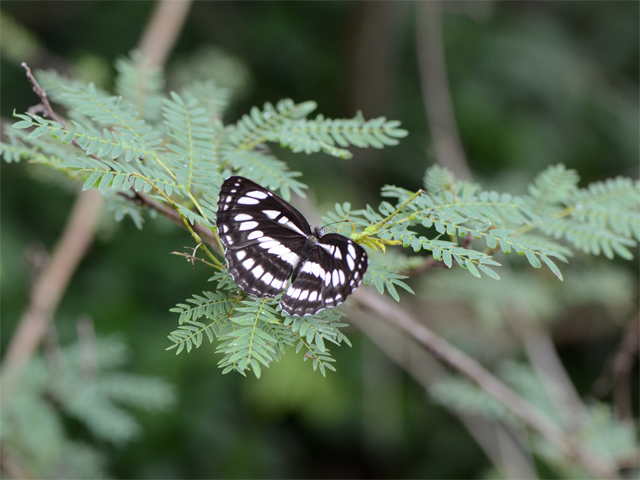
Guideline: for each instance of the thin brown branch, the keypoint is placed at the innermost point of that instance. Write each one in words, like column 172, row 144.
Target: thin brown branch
column 52, row 282
column 549, row 368
column 205, row 233
column 501, row 448
column 467, row 366
column 43, row 96
column 163, row 29
column 435, row 89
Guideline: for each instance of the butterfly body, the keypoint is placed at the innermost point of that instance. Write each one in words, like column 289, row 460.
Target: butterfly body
column 270, row 248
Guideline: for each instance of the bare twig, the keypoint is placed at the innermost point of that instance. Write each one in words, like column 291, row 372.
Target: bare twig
column 545, row 360
column 163, row 29
column 435, row 89
column 158, row 40
column 460, row 362
column 52, row 283
column 171, row 214
column 500, row 447
column 43, row 96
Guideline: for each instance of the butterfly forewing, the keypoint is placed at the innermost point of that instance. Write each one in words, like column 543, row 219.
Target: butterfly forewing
column 267, row 241
column 261, row 233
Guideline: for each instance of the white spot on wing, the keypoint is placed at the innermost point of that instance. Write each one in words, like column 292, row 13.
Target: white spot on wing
column 248, row 201
column 350, row 262
column 255, row 234
column 313, row 296
column 288, row 223
column 336, row 278
column 257, row 194
column 279, row 250
column 248, row 263
column 268, row 245
column 314, row 269
column 241, row 254
column 241, row 217
column 332, row 250
column 272, row 214
column 293, row 292
column 291, row 258
column 257, row 272
column 248, row 225
column 318, row 270
column 352, row 251
column 326, row 248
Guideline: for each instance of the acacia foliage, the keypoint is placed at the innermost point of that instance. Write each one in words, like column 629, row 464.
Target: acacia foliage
column 177, row 149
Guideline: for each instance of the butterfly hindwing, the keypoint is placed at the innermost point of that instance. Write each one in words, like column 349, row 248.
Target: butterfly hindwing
column 256, row 274
column 267, row 241
column 334, row 270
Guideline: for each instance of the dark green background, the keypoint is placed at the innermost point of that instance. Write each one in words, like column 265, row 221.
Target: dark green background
column 533, row 84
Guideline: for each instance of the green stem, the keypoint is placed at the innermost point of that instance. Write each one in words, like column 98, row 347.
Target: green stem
column 186, row 223
column 370, row 231
column 562, row 213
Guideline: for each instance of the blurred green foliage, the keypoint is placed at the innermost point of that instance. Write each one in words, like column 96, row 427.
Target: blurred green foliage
column 533, row 84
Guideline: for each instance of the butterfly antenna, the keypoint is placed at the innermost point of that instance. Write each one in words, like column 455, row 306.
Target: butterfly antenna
column 333, row 223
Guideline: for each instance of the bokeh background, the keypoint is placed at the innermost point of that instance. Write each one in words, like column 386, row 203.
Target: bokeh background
column 532, row 84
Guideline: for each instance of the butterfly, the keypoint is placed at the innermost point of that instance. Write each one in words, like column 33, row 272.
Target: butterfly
column 270, row 248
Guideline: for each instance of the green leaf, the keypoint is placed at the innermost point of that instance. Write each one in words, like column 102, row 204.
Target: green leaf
column 255, row 367
column 552, row 266
column 489, row 271
column 23, row 124
column 533, row 259
column 39, row 131
column 472, row 268
column 93, row 178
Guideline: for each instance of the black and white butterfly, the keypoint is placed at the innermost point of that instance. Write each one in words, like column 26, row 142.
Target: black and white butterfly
column 267, row 242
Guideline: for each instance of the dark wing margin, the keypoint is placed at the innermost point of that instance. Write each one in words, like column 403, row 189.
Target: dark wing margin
column 261, row 234
column 334, row 270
